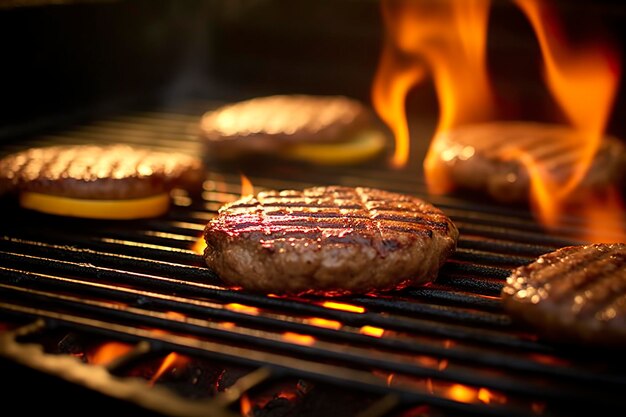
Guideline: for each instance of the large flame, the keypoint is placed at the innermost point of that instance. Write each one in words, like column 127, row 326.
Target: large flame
column 583, row 81
column 447, row 40
column 441, row 36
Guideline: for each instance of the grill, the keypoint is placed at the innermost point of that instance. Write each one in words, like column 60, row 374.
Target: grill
column 69, row 287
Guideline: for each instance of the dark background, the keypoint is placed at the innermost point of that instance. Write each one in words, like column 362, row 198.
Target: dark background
column 66, row 61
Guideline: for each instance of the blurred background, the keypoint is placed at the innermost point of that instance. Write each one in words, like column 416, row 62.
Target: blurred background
column 71, row 59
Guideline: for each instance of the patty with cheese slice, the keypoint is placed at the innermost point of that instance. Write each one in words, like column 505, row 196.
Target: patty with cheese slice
column 102, row 182
column 323, row 130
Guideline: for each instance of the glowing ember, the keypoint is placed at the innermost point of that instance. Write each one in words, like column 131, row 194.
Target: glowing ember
column 172, row 360
column 267, row 402
column 344, row 307
column 174, row 315
column 462, row 393
column 488, row 396
column 372, row 331
column 240, row 308
column 453, row 391
column 328, row 324
column 300, row 339
column 108, row 352
column 245, row 405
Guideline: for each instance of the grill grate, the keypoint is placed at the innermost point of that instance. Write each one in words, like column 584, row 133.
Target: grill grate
column 140, row 282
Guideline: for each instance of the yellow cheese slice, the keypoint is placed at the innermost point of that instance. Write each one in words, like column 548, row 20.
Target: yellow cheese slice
column 96, row 209
column 363, row 146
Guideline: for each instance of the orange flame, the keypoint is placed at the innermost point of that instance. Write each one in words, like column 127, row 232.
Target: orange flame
column 442, row 36
column 246, row 189
column 108, row 352
column 448, row 39
column 199, row 246
column 583, row 81
column 170, row 361
column 246, row 186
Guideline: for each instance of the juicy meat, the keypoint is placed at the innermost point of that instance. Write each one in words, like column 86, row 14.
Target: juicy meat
column 332, row 240
column 267, row 124
column 98, row 172
column 486, row 157
column 576, row 293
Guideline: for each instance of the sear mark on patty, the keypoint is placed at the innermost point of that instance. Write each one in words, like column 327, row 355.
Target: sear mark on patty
column 574, row 294
column 330, row 240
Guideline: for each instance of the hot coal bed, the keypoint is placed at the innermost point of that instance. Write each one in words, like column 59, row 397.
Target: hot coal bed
column 126, row 315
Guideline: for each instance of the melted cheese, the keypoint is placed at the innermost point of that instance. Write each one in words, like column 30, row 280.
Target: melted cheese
column 96, row 209
column 361, row 147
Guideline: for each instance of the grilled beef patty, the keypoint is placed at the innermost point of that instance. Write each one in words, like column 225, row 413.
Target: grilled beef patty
column 332, row 240
column 483, row 157
column 271, row 124
column 109, row 172
column 575, row 294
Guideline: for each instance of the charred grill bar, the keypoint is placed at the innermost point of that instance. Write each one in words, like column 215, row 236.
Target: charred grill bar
column 69, row 287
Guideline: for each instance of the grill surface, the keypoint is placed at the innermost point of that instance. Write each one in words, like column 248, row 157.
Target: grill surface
column 442, row 349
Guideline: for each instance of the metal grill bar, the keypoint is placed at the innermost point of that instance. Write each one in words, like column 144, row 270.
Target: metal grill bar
column 121, row 279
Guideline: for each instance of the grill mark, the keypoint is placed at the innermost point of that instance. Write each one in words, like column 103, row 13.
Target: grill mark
column 317, row 235
column 270, row 218
column 392, row 214
column 323, row 220
column 563, row 268
column 254, row 227
column 577, row 282
column 294, row 205
column 415, row 220
column 598, row 280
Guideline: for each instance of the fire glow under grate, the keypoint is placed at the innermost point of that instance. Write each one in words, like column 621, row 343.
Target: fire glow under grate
column 128, row 309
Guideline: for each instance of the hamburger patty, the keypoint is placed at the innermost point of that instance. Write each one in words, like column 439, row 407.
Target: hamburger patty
column 271, row 124
column 576, row 294
column 481, row 157
column 332, row 240
column 109, row 172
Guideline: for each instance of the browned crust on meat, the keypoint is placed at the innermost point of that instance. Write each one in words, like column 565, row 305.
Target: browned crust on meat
column 479, row 157
column 332, row 240
column 267, row 124
column 574, row 294
column 98, row 172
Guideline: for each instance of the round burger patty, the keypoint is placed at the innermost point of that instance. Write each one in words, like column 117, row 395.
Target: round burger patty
column 486, row 157
column 271, row 123
column 574, row 294
column 328, row 240
column 108, row 172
